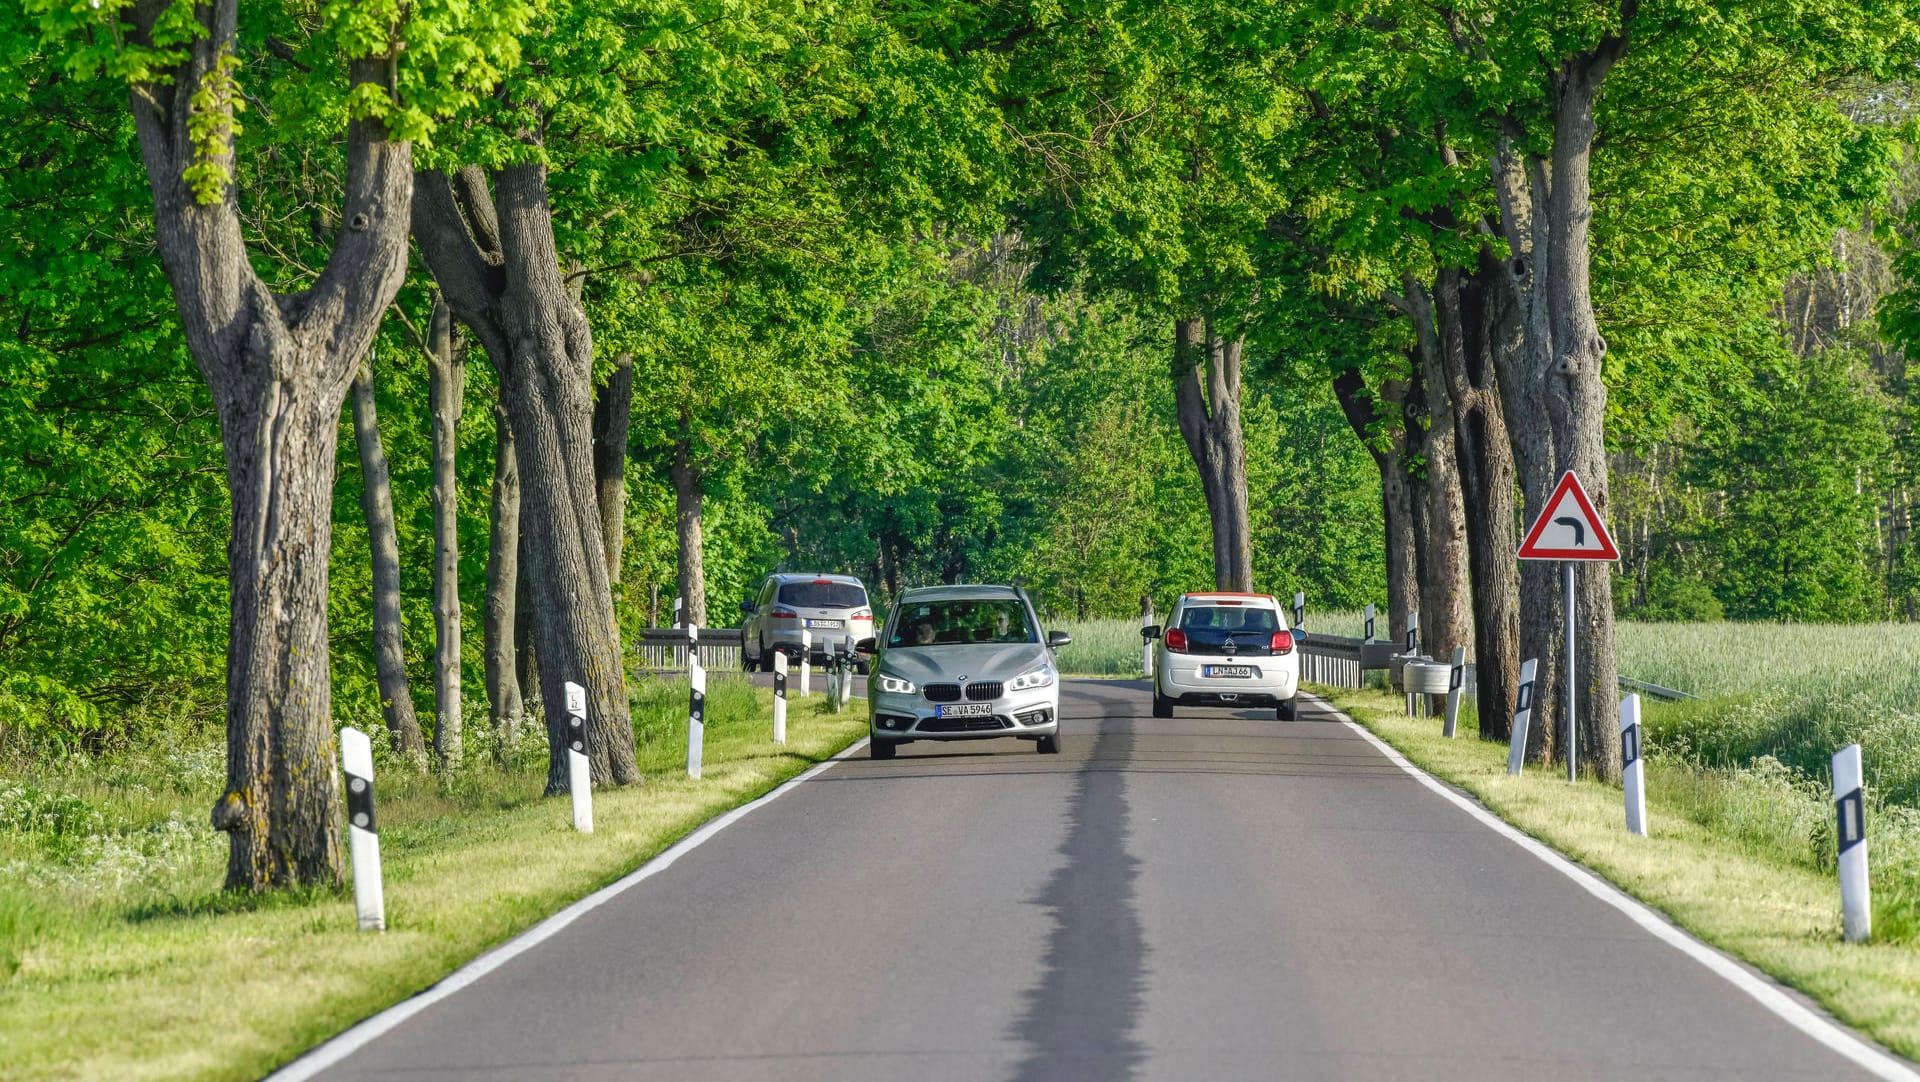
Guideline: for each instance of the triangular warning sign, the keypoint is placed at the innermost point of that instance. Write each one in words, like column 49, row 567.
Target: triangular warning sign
column 1568, row 529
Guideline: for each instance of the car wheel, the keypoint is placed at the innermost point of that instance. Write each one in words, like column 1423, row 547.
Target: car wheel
column 766, row 658
column 747, row 663
column 1048, row 745
column 1288, row 711
column 881, row 749
column 861, row 667
column 1162, row 706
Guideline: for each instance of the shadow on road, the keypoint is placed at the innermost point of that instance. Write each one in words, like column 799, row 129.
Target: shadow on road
column 1080, row 1018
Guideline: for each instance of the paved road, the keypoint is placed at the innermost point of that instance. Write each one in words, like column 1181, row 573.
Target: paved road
column 1217, row 896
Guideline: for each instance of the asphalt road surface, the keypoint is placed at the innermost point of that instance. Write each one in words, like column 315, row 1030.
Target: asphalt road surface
column 1216, row 896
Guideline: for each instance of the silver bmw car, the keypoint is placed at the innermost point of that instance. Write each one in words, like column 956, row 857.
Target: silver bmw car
column 963, row 663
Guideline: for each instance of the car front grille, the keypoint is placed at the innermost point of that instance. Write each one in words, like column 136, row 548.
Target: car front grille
column 942, row 693
column 963, row 725
column 985, row 691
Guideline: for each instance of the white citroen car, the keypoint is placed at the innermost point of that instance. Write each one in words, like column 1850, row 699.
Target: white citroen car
column 963, row 663
column 1226, row 649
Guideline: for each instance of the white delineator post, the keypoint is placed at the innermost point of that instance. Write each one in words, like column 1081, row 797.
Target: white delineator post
column 579, row 767
column 1299, row 608
column 1856, row 901
column 1572, row 686
column 363, row 837
column 1522, row 713
column 806, row 662
column 1368, row 633
column 779, row 696
column 1456, row 679
column 846, row 680
column 696, row 704
column 1633, row 772
column 1146, row 644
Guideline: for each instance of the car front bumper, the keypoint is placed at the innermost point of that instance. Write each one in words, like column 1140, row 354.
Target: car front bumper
column 898, row 716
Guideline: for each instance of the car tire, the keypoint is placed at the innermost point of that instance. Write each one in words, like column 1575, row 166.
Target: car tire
column 1288, row 710
column 881, row 749
column 766, row 658
column 1048, row 745
column 1162, row 706
column 861, row 667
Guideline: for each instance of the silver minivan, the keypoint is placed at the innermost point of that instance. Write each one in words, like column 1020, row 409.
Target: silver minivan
column 832, row 609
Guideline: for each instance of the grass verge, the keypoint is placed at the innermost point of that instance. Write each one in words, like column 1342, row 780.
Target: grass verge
column 1746, row 899
column 151, row 972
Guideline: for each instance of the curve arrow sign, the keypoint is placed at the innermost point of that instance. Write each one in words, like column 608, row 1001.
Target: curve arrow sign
column 1569, row 528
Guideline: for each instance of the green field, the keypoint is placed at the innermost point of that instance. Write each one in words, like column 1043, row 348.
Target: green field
column 120, row 957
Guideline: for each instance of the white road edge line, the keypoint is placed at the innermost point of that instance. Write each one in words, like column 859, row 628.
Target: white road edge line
column 1831, row 1034
column 335, row 1049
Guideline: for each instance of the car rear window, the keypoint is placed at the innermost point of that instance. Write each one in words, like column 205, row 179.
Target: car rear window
column 823, row 595
column 1228, row 618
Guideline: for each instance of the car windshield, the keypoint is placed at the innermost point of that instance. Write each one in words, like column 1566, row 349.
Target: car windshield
column 1228, row 618
column 822, row 594
column 934, row 623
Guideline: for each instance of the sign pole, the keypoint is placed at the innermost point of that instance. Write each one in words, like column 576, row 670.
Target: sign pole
column 1572, row 686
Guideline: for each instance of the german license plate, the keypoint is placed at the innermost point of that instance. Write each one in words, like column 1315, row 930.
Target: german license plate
column 1241, row 671
column 825, row 623
column 966, row 710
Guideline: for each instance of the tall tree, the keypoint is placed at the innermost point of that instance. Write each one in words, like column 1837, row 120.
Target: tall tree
column 383, row 543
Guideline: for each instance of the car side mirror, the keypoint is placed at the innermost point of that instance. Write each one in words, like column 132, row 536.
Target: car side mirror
column 746, row 608
column 1150, row 632
column 1300, row 634
column 866, row 646
column 1057, row 639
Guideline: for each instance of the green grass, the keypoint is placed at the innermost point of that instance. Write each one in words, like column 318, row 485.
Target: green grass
column 120, row 958
column 1741, row 857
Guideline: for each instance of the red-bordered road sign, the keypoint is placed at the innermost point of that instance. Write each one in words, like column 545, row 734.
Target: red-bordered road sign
column 1568, row 529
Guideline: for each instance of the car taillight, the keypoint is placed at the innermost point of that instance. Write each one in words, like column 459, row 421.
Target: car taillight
column 863, row 614
column 784, row 614
column 1282, row 642
column 1177, row 641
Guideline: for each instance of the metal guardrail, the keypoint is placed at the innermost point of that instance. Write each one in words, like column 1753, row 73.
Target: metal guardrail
column 1331, row 661
column 1338, row 662
column 1654, row 691
column 664, row 649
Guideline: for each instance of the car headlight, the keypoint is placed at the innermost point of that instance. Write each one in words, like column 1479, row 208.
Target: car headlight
column 895, row 685
column 1038, row 677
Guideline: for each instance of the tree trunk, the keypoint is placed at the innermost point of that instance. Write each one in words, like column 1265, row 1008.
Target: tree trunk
column 500, row 271
column 376, row 503
column 503, row 589
column 1546, row 210
column 1206, row 372
column 612, row 413
column 1375, row 427
column 1413, row 478
column 278, row 367
column 1470, row 324
column 1577, row 410
column 1446, row 619
column 688, row 502
column 446, row 391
